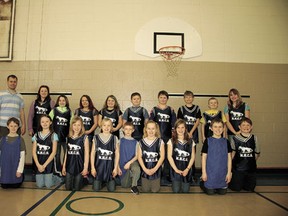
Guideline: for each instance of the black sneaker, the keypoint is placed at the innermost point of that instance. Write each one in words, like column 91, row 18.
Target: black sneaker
column 135, row 190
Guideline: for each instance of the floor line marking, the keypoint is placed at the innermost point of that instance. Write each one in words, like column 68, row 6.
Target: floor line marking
column 272, row 201
column 41, row 200
column 62, row 203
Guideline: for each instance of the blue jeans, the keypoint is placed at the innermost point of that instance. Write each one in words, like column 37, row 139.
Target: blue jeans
column 47, row 180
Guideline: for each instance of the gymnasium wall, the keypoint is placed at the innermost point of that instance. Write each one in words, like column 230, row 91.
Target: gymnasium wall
column 89, row 49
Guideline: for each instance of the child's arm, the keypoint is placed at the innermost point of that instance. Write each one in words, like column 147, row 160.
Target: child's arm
column 64, row 165
column 94, row 126
column 229, row 165
column 21, row 164
column 128, row 164
column 192, row 160
column 161, row 159
column 86, row 156
column 34, row 154
column 229, row 125
column 53, row 153
column 195, row 126
column 140, row 159
column 170, row 158
column 92, row 159
column 31, row 115
column 203, row 130
column 119, row 125
column 116, row 160
column 100, row 117
column 204, row 173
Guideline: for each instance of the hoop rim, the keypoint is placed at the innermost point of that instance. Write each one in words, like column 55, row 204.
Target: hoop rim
column 162, row 51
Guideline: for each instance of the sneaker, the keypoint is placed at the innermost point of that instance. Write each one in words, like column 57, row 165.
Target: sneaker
column 135, row 190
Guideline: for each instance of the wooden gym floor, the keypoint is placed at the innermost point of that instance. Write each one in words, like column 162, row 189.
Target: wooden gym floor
column 29, row 200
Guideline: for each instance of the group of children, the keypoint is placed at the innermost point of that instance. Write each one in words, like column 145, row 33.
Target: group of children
column 155, row 145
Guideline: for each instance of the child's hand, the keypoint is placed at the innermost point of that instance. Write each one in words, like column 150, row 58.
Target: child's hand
column 185, row 172
column 204, row 177
column 180, row 172
column 41, row 168
column 63, row 171
column 84, row 172
column 119, row 171
column 114, row 173
column 127, row 166
column 93, row 172
column 228, row 177
column 18, row 174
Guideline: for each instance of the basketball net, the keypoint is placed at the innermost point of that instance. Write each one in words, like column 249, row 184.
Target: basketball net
column 172, row 56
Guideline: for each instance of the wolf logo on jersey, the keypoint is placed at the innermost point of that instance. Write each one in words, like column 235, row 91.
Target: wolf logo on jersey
column 105, row 154
column 236, row 115
column 135, row 120
column 150, row 156
column 245, row 151
column 73, row 149
column 43, row 149
column 61, row 121
column 163, row 117
column 41, row 110
column 190, row 120
column 86, row 120
column 181, row 155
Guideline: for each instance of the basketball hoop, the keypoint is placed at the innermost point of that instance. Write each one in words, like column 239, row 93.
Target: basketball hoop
column 172, row 56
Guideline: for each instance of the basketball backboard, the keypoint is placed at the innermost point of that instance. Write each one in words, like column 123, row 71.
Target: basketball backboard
column 167, row 31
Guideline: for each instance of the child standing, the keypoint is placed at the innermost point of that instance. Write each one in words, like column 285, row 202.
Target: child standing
column 165, row 117
column 61, row 116
column 43, row 152
column 111, row 110
column 42, row 105
column 129, row 169
column 234, row 111
column 76, row 159
column 105, row 157
column 191, row 114
column 245, row 153
column 12, row 160
column 216, row 161
column 151, row 154
column 137, row 115
column 89, row 115
column 181, row 156
column 208, row 116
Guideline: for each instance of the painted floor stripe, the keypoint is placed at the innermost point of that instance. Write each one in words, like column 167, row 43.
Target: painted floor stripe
column 272, row 201
column 62, row 204
column 41, row 200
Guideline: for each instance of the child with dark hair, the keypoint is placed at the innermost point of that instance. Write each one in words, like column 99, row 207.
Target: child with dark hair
column 181, row 156
column 245, row 153
column 216, row 161
column 136, row 114
column 12, row 156
column 111, row 110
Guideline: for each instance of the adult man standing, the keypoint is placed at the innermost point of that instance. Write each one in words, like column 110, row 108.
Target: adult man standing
column 11, row 105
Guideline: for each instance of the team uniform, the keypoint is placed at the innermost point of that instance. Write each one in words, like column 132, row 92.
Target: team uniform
column 150, row 156
column 181, row 154
column 166, row 119
column 244, row 162
column 217, row 150
column 88, row 121
column 43, row 151
column 190, row 115
column 75, row 162
column 113, row 115
column 12, row 160
column 136, row 115
column 36, row 110
column 61, row 124
column 208, row 117
column 127, row 149
column 235, row 116
column 104, row 161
